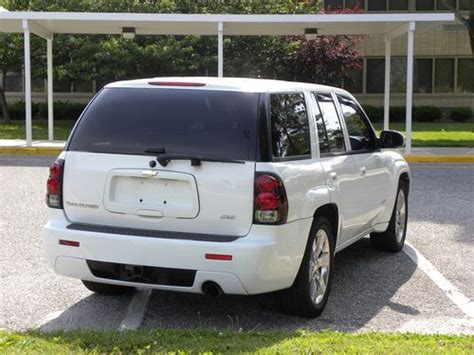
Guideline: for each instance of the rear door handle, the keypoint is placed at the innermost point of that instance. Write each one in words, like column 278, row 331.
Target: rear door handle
column 333, row 175
column 363, row 170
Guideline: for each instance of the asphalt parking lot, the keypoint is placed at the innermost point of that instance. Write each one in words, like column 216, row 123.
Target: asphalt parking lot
column 371, row 290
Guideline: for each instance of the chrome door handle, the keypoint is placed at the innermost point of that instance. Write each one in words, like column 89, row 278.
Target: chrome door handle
column 333, row 175
column 363, row 170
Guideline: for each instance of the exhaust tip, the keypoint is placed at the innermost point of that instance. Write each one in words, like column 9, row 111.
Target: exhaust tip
column 211, row 288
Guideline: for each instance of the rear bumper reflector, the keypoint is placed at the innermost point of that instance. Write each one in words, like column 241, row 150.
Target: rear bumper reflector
column 69, row 243
column 135, row 232
column 219, row 257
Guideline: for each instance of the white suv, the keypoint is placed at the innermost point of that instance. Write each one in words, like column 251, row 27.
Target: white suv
column 236, row 186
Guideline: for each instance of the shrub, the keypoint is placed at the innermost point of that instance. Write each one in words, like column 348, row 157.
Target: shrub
column 375, row 114
column 397, row 114
column 426, row 113
column 63, row 110
column 461, row 114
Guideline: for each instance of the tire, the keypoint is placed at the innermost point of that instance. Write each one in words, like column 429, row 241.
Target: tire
column 393, row 239
column 302, row 298
column 106, row 289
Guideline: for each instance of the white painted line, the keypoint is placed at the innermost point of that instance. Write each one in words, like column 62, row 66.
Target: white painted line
column 136, row 310
column 451, row 291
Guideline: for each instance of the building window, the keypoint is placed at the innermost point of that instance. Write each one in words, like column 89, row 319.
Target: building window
column 377, row 5
column 464, row 5
column 465, row 75
column 440, row 5
column 398, row 74
column 334, row 4
column 355, row 81
column 375, row 75
column 398, row 5
column 344, row 4
column 425, row 5
column 423, row 80
column 444, row 75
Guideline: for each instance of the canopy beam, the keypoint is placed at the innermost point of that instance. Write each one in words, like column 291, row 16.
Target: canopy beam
column 26, row 44
column 49, row 55
column 386, row 101
column 409, row 99
column 220, row 49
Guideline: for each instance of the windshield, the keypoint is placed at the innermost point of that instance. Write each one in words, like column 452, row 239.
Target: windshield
column 218, row 124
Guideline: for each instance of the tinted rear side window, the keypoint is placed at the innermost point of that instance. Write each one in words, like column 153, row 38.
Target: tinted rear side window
column 130, row 120
column 290, row 126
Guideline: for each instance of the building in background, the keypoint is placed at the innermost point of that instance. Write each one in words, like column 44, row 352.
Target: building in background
column 444, row 63
column 443, row 72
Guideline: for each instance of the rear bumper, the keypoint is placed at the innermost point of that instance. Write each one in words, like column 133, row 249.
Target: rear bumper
column 265, row 260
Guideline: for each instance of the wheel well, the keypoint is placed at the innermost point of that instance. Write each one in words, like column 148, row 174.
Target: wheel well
column 331, row 212
column 406, row 179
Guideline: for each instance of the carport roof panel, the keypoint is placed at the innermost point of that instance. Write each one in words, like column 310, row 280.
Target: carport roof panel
column 199, row 24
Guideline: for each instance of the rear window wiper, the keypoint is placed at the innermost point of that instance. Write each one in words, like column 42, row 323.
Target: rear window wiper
column 164, row 159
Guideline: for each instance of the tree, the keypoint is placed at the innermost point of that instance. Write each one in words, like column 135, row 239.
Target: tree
column 469, row 22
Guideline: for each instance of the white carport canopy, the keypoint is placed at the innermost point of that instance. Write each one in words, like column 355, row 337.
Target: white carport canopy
column 46, row 24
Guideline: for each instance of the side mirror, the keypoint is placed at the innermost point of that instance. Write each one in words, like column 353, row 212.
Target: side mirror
column 391, row 139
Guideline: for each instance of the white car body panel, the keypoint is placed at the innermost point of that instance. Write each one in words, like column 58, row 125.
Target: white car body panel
column 216, row 199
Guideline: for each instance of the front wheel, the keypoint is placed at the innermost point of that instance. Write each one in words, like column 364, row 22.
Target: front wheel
column 393, row 238
column 309, row 293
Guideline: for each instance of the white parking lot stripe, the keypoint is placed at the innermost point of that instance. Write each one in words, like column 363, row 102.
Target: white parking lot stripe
column 136, row 310
column 451, row 291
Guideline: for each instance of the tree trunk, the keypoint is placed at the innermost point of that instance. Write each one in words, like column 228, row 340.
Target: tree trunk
column 3, row 100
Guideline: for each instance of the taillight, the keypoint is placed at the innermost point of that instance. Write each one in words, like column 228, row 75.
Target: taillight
column 54, row 185
column 270, row 203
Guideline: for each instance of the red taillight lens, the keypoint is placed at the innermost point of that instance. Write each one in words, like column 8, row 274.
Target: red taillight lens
column 270, row 205
column 54, row 185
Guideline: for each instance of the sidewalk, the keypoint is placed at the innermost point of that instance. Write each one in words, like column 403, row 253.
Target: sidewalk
column 418, row 155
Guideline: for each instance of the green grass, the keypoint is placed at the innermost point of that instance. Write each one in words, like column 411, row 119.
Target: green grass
column 199, row 341
column 16, row 129
column 437, row 134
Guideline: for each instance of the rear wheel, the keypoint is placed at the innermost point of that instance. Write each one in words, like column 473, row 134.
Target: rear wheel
column 309, row 293
column 106, row 289
column 393, row 238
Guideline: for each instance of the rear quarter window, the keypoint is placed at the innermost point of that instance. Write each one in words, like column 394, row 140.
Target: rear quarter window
column 217, row 124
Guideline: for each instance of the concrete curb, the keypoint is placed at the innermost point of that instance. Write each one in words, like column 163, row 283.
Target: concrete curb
column 30, row 151
column 460, row 159
column 433, row 159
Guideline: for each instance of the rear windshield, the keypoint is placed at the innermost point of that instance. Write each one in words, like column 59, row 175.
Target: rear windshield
column 217, row 124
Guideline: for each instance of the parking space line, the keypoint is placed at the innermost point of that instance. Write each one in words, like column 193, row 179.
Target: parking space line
column 451, row 291
column 136, row 310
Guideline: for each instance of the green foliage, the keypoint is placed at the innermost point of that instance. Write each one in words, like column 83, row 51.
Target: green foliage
column 426, row 113
column 63, row 110
column 397, row 114
column 461, row 114
column 374, row 113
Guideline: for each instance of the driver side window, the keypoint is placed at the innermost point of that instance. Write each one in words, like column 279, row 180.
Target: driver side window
column 360, row 132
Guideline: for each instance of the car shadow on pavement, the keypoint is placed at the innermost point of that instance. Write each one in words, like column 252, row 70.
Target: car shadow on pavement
column 364, row 283
column 92, row 312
